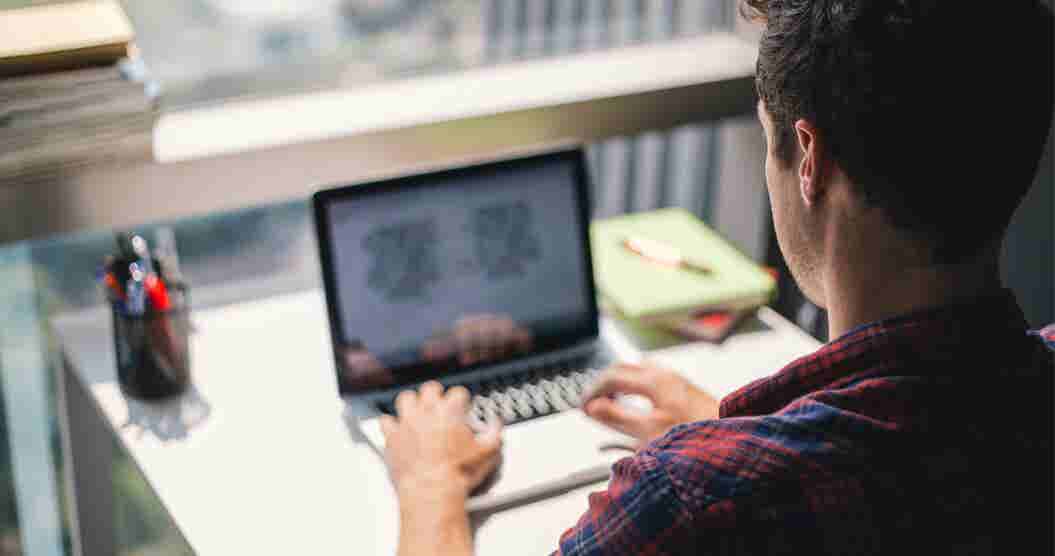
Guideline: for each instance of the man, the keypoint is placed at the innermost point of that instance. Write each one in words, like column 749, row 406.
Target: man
column 902, row 134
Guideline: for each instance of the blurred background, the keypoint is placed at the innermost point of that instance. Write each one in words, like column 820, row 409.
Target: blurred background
column 200, row 54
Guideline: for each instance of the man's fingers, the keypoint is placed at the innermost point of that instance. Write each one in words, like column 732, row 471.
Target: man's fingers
column 487, row 456
column 431, row 392
column 612, row 414
column 388, row 425
column 484, row 468
column 620, row 379
column 479, row 473
column 488, row 445
column 405, row 402
column 630, row 367
column 458, row 399
column 491, row 439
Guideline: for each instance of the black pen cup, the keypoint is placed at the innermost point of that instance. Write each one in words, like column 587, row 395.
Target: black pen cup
column 153, row 350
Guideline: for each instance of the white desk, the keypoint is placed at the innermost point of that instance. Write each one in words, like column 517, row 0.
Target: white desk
column 258, row 459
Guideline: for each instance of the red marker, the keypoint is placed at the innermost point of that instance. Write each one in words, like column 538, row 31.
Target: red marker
column 158, row 293
column 111, row 282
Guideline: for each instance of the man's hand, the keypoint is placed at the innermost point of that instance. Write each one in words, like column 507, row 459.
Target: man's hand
column 435, row 461
column 674, row 401
column 431, row 444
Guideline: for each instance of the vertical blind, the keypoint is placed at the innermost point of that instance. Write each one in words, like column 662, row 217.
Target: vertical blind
column 676, row 167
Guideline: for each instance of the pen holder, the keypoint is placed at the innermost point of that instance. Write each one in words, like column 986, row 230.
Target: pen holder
column 153, row 350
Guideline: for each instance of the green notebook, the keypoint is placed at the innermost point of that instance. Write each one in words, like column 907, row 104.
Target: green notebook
column 641, row 288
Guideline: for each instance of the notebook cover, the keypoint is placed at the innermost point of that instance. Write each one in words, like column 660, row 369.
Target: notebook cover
column 64, row 36
column 643, row 289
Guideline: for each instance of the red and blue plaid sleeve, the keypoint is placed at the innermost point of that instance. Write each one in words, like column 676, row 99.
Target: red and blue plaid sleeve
column 639, row 513
column 857, row 448
column 715, row 486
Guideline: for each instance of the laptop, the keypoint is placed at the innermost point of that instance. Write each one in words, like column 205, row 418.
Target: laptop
column 478, row 276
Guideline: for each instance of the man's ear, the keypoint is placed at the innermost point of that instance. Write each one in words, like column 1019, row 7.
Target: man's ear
column 811, row 183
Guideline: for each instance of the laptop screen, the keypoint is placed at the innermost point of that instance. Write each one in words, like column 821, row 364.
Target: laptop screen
column 436, row 274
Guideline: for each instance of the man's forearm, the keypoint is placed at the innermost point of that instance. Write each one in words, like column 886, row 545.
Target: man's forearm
column 433, row 521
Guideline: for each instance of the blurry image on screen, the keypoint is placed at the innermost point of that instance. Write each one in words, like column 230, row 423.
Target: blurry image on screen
column 457, row 271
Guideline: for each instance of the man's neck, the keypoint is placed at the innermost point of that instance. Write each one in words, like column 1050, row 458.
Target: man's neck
column 864, row 292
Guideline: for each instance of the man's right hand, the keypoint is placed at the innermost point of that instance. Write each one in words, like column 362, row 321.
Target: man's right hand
column 674, row 401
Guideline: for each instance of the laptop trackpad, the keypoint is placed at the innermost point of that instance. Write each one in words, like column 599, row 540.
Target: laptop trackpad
column 542, row 457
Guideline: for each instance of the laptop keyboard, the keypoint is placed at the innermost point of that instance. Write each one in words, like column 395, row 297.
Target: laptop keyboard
column 526, row 395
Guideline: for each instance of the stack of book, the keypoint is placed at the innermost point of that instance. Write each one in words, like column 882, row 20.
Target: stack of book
column 666, row 268
column 72, row 92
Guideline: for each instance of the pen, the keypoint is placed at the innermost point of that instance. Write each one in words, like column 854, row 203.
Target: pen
column 142, row 252
column 662, row 253
column 135, row 302
column 157, row 291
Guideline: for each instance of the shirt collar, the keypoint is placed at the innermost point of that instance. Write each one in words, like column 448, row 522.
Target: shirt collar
column 884, row 347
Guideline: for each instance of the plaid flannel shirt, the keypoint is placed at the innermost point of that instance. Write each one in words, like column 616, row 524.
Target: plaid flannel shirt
column 925, row 434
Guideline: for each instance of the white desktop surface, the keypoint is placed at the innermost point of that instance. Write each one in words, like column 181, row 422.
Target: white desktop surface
column 257, row 458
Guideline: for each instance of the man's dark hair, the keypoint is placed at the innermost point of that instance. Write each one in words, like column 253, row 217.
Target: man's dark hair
column 937, row 110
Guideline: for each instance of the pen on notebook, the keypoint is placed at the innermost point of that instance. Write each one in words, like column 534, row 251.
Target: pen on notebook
column 661, row 253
